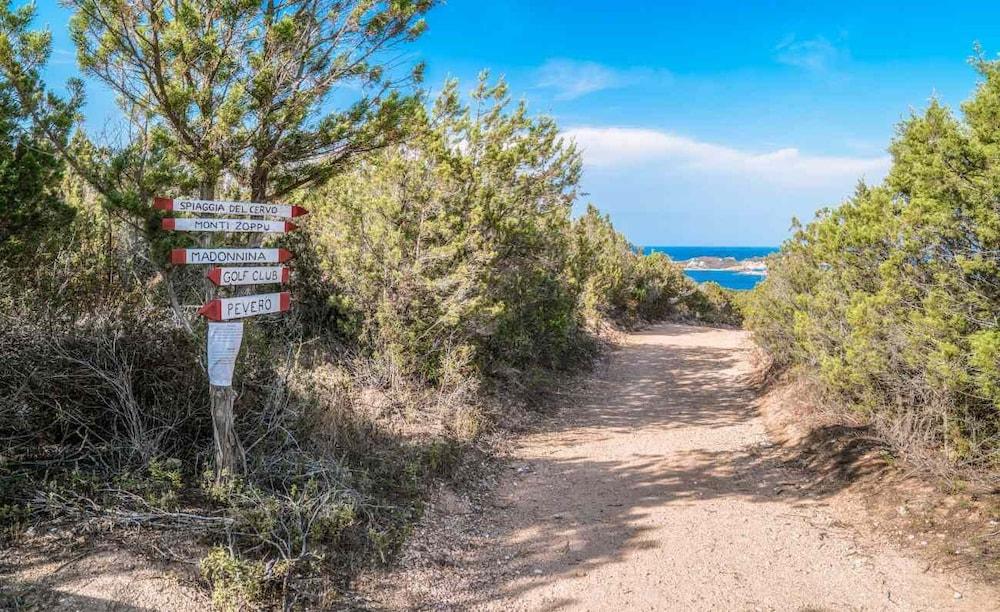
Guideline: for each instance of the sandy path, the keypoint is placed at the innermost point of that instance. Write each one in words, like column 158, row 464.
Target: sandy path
column 656, row 489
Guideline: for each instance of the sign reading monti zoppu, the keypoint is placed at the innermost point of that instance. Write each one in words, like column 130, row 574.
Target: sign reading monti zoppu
column 227, row 225
column 223, row 207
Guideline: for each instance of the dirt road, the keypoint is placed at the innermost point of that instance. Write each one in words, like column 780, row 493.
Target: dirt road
column 656, row 488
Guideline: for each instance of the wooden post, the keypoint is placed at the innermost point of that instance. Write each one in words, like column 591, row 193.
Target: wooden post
column 230, row 459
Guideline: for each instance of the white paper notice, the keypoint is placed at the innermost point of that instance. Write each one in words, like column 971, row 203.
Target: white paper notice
column 224, row 341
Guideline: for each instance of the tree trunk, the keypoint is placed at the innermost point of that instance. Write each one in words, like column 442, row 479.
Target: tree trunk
column 229, row 457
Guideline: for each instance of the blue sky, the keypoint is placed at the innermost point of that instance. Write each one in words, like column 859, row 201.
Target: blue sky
column 702, row 123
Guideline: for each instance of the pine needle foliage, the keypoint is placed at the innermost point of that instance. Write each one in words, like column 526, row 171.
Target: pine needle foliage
column 893, row 297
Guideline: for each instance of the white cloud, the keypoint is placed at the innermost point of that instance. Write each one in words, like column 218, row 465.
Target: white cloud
column 571, row 79
column 617, row 147
column 63, row 57
column 814, row 55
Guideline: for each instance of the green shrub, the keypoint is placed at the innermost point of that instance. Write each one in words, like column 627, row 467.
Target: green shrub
column 620, row 283
column 603, row 267
column 236, row 584
column 457, row 243
column 32, row 210
column 892, row 297
column 714, row 304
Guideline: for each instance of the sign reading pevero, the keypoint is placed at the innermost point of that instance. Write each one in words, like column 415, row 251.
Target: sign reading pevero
column 227, row 309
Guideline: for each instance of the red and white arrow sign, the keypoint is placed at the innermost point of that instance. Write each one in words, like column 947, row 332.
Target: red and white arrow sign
column 220, row 207
column 249, row 275
column 228, row 256
column 228, row 225
column 227, row 309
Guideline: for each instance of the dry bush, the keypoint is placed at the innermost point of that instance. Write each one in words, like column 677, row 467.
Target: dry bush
column 106, row 427
column 110, row 394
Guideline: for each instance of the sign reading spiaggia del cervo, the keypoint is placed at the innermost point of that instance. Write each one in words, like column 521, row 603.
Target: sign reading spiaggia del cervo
column 220, row 207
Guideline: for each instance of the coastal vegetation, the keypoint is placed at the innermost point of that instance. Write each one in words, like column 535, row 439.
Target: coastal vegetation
column 440, row 281
column 891, row 299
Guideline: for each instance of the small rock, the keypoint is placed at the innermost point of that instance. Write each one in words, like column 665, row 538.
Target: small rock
column 958, row 595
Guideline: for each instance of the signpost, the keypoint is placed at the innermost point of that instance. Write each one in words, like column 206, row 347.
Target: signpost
column 224, row 337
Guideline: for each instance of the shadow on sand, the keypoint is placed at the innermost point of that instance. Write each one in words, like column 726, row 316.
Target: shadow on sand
column 599, row 505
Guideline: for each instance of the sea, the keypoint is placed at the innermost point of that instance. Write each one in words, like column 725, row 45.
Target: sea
column 732, row 280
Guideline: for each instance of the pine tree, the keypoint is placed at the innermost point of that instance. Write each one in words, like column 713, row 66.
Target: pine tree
column 243, row 87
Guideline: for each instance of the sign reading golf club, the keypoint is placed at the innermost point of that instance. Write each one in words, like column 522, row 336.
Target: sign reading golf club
column 248, row 275
column 229, row 256
column 220, row 207
column 228, row 225
column 227, row 309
